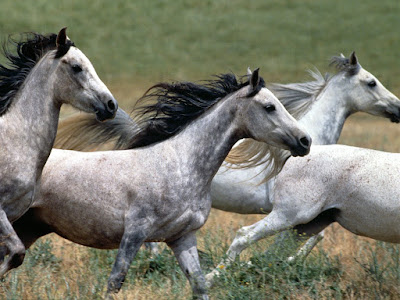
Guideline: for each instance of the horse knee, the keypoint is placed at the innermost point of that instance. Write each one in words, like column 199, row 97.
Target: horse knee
column 241, row 232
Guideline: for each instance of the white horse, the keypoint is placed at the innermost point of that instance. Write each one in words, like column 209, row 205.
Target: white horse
column 44, row 73
column 322, row 106
column 160, row 192
column 352, row 89
column 356, row 187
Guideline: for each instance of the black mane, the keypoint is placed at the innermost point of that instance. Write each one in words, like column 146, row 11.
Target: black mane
column 28, row 51
column 177, row 104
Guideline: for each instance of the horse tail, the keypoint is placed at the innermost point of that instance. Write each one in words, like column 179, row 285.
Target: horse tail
column 84, row 133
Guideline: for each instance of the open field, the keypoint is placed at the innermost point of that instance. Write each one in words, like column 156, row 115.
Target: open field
column 134, row 44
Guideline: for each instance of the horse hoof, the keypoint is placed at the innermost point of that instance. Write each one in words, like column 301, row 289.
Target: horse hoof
column 209, row 280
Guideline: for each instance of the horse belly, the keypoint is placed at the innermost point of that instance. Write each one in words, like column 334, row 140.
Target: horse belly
column 100, row 232
column 378, row 221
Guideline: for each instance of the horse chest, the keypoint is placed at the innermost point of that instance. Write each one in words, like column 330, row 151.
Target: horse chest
column 16, row 198
column 180, row 221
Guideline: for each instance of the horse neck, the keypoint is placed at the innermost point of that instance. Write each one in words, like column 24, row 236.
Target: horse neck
column 31, row 123
column 325, row 120
column 203, row 145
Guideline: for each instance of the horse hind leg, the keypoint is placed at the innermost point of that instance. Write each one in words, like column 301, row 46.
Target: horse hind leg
column 11, row 245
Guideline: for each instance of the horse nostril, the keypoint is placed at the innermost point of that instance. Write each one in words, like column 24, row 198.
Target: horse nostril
column 111, row 105
column 305, row 141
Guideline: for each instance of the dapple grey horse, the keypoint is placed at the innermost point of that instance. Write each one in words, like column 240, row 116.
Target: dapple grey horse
column 45, row 72
column 160, row 191
column 322, row 106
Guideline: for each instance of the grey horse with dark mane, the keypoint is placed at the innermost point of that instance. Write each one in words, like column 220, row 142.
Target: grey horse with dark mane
column 159, row 192
column 45, row 72
column 245, row 185
column 322, row 106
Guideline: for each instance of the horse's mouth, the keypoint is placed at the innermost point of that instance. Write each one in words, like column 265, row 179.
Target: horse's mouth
column 103, row 115
column 393, row 118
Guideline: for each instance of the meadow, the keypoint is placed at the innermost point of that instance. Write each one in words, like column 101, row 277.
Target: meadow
column 134, row 44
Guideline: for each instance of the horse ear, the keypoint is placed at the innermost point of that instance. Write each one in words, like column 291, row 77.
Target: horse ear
column 61, row 37
column 255, row 79
column 249, row 72
column 353, row 59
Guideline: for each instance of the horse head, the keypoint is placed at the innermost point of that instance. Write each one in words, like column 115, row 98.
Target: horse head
column 267, row 120
column 77, row 83
column 364, row 91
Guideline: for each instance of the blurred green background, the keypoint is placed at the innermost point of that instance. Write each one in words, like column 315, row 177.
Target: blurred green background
column 149, row 41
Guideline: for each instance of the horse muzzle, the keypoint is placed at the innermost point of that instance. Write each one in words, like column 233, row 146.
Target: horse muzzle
column 302, row 147
column 393, row 117
column 108, row 111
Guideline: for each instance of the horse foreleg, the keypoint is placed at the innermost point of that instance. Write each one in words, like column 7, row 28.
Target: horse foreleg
column 185, row 250
column 307, row 247
column 132, row 239
column 312, row 230
column 248, row 235
column 11, row 244
column 287, row 242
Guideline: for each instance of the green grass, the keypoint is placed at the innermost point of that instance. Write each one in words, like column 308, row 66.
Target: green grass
column 375, row 275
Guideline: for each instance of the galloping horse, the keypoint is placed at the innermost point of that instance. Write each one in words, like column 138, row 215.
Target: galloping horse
column 45, row 72
column 322, row 107
column 160, row 191
column 356, row 187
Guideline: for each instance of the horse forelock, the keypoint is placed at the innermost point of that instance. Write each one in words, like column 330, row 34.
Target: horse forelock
column 177, row 104
column 26, row 52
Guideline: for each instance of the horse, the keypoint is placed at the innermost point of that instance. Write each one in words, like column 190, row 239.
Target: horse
column 160, row 187
column 42, row 73
column 355, row 187
column 243, row 186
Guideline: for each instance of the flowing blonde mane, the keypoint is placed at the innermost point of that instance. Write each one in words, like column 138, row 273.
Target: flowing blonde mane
column 297, row 99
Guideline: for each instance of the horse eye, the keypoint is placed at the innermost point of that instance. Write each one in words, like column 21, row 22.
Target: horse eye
column 76, row 68
column 372, row 83
column 270, row 108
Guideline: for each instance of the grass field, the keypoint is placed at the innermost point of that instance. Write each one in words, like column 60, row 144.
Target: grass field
column 133, row 44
